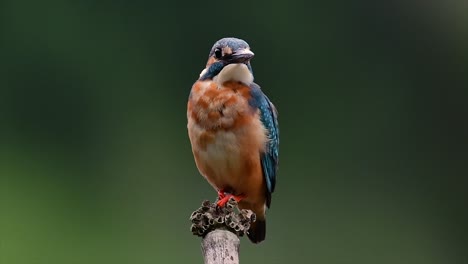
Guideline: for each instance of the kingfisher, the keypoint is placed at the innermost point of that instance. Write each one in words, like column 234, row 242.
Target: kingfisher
column 233, row 131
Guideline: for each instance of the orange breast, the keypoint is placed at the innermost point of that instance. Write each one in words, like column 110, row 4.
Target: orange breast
column 227, row 137
column 223, row 108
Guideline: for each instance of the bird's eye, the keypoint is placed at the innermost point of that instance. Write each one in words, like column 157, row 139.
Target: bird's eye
column 218, row 53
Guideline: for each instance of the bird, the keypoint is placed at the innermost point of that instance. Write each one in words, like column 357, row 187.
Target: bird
column 233, row 131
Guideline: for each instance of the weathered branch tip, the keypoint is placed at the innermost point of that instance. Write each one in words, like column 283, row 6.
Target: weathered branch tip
column 210, row 217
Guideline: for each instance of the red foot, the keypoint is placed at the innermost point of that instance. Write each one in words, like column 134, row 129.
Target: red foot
column 222, row 202
column 221, row 194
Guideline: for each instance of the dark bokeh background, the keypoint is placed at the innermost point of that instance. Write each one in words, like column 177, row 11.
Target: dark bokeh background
column 96, row 165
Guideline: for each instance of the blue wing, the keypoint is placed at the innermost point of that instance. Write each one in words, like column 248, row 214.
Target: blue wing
column 269, row 118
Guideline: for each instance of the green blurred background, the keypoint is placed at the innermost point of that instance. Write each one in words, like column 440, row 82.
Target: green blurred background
column 96, row 165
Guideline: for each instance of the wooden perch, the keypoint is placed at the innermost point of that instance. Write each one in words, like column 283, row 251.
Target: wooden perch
column 220, row 228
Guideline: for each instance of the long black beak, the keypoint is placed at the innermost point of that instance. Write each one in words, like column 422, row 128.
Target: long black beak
column 240, row 56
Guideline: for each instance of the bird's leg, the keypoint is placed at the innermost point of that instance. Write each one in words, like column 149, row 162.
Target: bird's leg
column 221, row 194
column 222, row 202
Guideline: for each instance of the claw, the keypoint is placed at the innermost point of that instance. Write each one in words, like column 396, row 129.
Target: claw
column 222, row 202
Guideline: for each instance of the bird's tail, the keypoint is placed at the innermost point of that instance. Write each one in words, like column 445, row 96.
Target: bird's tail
column 257, row 231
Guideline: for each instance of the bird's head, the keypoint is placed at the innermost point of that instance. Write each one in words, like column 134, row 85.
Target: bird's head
column 227, row 58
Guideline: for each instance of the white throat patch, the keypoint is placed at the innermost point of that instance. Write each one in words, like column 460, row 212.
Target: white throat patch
column 234, row 72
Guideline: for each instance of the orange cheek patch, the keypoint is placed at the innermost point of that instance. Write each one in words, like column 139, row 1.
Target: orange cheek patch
column 227, row 50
